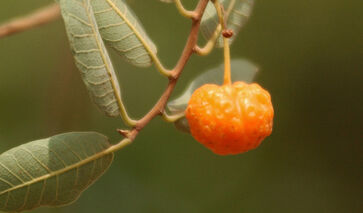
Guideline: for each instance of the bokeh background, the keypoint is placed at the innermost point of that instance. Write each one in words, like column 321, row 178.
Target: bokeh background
column 310, row 55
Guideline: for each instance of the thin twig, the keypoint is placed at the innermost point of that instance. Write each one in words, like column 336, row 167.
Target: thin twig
column 52, row 12
column 37, row 18
column 209, row 46
column 189, row 49
column 172, row 118
column 186, row 13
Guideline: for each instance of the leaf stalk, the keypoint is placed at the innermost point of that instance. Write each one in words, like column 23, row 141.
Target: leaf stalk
column 184, row 12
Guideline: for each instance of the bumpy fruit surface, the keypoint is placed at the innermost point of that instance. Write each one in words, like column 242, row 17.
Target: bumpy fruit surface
column 230, row 119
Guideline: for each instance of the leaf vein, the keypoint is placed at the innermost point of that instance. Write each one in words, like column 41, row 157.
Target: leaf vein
column 36, row 159
column 11, row 172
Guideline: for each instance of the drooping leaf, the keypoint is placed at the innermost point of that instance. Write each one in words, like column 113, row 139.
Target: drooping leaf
column 91, row 56
column 237, row 15
column 121, row 30
column 241, row 70
column 52, row 171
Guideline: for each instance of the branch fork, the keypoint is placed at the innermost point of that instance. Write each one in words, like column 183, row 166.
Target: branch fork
column 52, row 12
column 189, row 49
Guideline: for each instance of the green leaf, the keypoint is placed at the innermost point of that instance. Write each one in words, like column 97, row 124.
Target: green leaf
column 121, row 30
column 209, row 20
column 91, row 56
column 182, row 125
column 237, row 14
column 241, row 70
column 52, row 171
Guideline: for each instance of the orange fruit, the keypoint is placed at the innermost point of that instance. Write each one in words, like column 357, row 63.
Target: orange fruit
column 232, row 118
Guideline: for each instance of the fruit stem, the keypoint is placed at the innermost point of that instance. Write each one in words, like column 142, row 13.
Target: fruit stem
column 227, row 62
column 227, row 54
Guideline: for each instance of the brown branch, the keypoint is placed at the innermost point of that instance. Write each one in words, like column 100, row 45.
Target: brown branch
column 189, row 49
column 52, row 12
column 37, row 18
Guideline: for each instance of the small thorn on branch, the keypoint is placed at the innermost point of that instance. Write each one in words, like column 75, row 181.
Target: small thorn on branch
column 125, row 133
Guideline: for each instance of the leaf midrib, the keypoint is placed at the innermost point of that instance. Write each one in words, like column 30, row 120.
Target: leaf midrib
column 138, row 35
column 105, row 61
column 89, row 159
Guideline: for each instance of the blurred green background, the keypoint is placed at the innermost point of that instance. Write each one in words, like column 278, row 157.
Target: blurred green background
column 311, row 58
